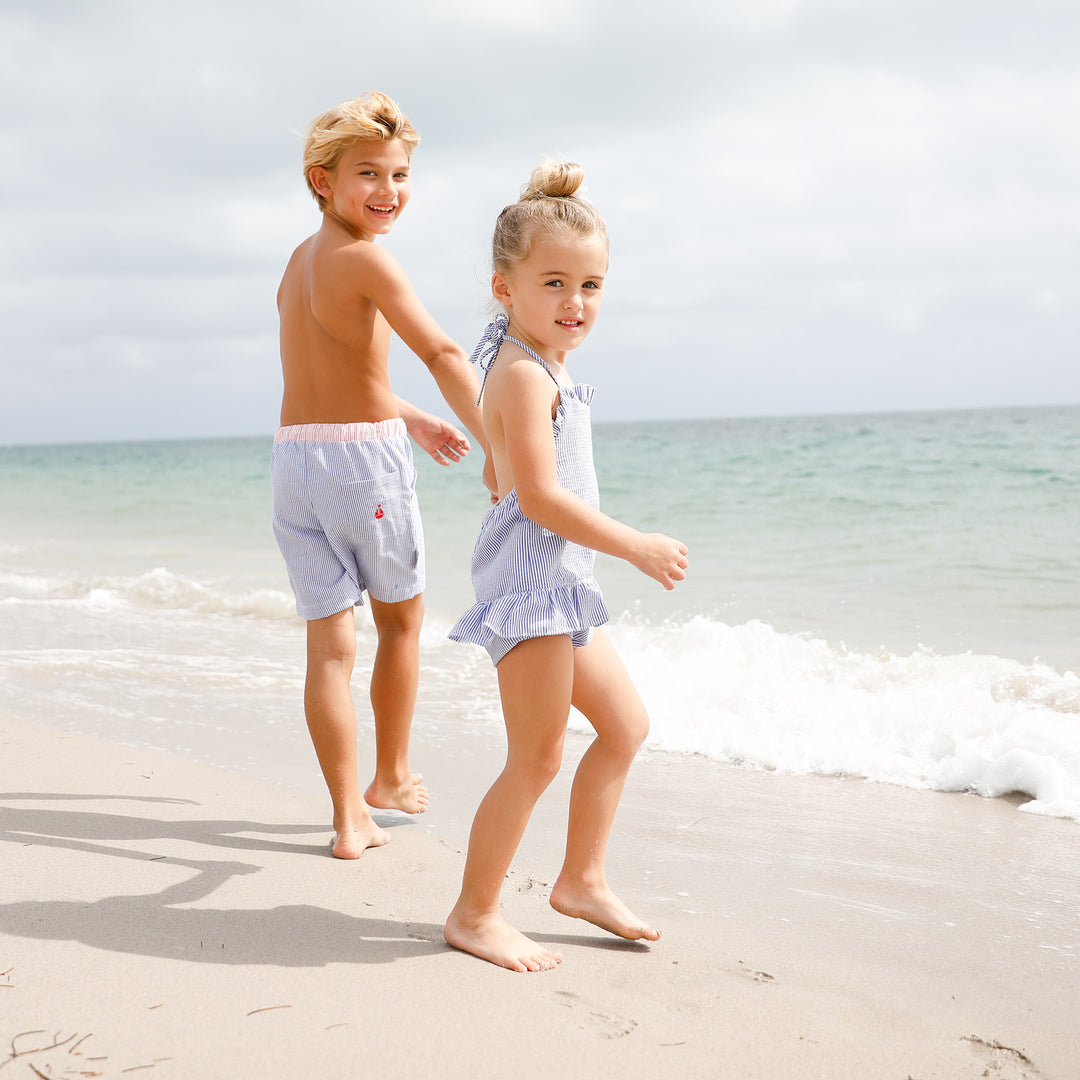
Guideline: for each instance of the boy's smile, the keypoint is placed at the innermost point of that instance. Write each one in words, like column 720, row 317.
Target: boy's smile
column 369, row 186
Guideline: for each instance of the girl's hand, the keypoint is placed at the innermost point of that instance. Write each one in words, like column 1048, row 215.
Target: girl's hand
column 661, row 558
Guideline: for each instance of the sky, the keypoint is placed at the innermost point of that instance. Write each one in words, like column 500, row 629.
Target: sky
column 815, row 206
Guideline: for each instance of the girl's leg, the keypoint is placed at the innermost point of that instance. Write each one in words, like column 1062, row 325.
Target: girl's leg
column 394, row 678
column 535, row 684
column 328, row 706
column 605, row 695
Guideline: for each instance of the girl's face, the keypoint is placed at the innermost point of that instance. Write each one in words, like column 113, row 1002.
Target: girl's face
column 553, row 296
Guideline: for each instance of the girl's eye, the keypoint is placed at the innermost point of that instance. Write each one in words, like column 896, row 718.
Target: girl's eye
column 555, row 282
column 592, row 285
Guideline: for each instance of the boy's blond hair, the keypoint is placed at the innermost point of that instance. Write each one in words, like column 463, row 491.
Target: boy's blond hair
column 371, row 116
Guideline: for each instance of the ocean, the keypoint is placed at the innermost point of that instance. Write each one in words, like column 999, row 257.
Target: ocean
column 887, row 596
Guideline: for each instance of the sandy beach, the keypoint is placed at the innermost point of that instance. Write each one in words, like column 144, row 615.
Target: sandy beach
column 178, row 920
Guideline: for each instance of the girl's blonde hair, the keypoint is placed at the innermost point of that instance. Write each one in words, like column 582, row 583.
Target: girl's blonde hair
column 548, row 203
column 371, row 116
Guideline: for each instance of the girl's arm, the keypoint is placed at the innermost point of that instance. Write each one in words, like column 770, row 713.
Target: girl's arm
column 524, row 399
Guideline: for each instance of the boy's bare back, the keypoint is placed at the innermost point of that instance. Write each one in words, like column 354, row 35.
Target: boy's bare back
column 335, row 342
column 342, row 294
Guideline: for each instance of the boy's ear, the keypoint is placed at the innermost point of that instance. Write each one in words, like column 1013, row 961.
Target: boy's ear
column 320, row 180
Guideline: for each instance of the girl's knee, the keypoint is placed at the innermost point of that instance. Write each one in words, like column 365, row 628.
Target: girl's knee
column 627, row 737
column 536, row 773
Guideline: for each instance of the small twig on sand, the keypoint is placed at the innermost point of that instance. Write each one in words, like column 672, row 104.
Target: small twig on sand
column 993, row 1044
column 72, row 1049
column 57, row 1041
column 268, row 1008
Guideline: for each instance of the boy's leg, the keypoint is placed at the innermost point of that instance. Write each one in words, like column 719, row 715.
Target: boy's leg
column 328, row 706
column 394, row 678
column 535, row 681
column 605, row 695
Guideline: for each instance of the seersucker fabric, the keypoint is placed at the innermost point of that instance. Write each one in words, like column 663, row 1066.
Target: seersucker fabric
column 531, row 582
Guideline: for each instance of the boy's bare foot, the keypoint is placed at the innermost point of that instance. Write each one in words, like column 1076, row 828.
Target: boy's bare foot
column 602, row 908
column 410, row 796
column 496, row 941
column 352, row 842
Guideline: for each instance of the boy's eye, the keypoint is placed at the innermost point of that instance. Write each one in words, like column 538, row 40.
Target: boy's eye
column 592, row 284
column 554, row 281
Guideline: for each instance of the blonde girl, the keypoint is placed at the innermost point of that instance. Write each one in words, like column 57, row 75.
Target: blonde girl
column 537, row 599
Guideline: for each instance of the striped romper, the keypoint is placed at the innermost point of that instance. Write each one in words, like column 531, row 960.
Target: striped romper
column 529, row 581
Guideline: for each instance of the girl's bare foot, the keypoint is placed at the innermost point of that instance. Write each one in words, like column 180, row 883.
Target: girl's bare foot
column 353, row 841
column 496, row 941
column 602, row 908
column 410, row 796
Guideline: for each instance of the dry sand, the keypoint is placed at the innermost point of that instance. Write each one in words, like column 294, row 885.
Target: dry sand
column 167, row 919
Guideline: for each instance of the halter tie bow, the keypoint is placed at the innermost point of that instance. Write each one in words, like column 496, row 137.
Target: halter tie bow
column 487, row 349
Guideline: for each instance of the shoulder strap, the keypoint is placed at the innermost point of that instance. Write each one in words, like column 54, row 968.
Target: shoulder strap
column 543, row 363
column 487, row 350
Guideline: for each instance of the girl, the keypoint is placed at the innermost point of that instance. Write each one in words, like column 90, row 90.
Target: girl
column 537, row 598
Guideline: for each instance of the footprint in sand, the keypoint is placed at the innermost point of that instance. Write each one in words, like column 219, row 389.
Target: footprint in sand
column 607, row 1025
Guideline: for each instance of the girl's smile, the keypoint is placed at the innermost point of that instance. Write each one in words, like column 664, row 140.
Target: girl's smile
column 553, row 295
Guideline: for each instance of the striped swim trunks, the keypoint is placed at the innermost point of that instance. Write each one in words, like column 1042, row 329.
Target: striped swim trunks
column 346, row 516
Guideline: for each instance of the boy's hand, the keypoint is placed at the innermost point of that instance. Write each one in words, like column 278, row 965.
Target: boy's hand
column 443, row 442
column 662, row 558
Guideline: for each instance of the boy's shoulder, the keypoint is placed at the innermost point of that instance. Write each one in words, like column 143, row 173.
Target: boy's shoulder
column 350, row 255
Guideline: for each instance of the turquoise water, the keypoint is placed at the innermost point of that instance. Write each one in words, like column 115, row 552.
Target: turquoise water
column 894, row 596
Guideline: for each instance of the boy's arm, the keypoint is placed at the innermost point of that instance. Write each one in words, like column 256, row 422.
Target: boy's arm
column 385, row 284
column 442, row 441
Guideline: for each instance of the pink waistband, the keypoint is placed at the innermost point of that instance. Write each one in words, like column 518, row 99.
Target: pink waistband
column 359, row 432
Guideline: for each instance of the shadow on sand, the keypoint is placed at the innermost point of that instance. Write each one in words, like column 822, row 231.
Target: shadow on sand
column 158, row 923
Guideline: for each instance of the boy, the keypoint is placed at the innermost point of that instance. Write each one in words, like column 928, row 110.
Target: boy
column 345, row 512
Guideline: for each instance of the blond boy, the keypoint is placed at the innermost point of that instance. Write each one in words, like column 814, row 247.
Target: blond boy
column 345, row 512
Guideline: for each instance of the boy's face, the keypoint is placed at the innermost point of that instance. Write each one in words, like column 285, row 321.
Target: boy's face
column 369, row 187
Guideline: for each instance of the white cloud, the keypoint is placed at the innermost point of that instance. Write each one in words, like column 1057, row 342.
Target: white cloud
column 815, row 205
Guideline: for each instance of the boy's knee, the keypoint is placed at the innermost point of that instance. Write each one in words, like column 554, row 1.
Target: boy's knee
column 339, row 651
column 403, row 619
column 332, row 640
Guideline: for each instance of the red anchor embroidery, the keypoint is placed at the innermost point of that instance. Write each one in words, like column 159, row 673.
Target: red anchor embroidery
column 379, row 513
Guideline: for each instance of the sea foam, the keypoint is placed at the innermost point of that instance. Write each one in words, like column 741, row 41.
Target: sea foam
column 752, row 696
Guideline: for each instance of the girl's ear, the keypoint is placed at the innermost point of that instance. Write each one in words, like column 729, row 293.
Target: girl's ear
column 500, row 289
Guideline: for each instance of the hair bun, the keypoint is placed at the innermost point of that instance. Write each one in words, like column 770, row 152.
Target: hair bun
column 554, row 180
